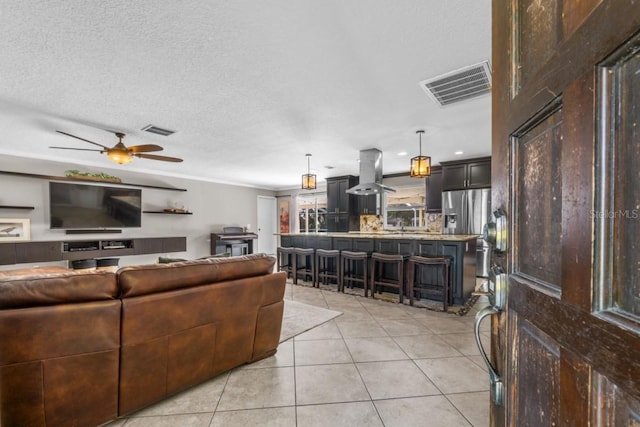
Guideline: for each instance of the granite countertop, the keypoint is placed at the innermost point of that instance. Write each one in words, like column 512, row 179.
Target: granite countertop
column 394, row 235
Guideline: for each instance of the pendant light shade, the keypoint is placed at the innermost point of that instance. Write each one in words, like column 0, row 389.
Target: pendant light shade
column 308, row 179
column 120, row 156
column 420, row 165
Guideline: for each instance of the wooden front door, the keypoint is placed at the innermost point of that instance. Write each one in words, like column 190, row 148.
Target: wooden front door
column 566, row 172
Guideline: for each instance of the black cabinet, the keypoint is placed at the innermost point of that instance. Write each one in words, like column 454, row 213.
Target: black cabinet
column 343, row 243
column 286, row 241
column 148, row 246
column 430, row 248
column 341, row 207
column 38, row 252
column 473, row 173
column 395, row 246
column 338, row 201
column 434, row 191
column 338, row 222
column 28, row 252
column 363, row 245
column 323, row 242
column 367, row 205
column 7, row 253
column 479, row 174
column 174, row 244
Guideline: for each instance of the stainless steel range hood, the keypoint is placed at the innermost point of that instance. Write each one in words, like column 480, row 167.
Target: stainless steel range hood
column 370, row 174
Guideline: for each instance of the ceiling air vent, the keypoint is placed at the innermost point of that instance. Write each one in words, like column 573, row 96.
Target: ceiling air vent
column 458, row 85
column 158, row 131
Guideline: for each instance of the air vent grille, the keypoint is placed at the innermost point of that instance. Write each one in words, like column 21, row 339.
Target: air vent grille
column 158, row 131
column 465, row 83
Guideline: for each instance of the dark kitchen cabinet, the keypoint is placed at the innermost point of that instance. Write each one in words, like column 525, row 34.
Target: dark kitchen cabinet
column 338, row 201
column 472, row 173
column 434, row 191
column 341, row 207
column 286, row 241
column 343, row 243
column 367, row 205
column 338, row 222
column 363, row 245
column 430, row 248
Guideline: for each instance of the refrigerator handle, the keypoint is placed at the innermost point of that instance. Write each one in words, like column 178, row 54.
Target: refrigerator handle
column 464, row 221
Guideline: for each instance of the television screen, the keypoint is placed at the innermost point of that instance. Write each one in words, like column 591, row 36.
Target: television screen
column 93, row 206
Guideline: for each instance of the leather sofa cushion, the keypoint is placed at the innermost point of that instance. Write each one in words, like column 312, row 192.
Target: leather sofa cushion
column 154, row 278
column 33, row 270
column 23, row 288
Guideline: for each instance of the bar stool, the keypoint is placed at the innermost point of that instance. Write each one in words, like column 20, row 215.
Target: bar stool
column 350, row 262
column 306, row 268
column 415, row 278
column 396, row 262
column 327, row 266
column 286, row 261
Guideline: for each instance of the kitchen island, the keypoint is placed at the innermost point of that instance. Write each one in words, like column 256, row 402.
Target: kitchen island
column 460, row 248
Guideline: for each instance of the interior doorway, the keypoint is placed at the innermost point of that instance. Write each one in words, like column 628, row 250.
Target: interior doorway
column 267, row 225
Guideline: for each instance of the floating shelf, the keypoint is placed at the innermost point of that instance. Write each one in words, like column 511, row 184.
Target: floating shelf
column 169, row 213
column 28, row 208
column 66, row 178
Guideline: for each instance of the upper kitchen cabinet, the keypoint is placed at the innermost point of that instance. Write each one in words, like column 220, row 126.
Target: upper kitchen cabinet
column 338, row 201
column 471, row 173
column 367, row 205
column 341, row 207
column 434, row 190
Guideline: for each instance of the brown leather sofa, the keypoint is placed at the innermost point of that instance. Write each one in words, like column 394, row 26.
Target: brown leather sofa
column 82, row 348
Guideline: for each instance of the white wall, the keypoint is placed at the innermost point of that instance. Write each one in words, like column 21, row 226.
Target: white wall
column 213, row 205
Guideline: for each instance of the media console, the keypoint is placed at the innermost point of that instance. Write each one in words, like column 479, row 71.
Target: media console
column 28, row 252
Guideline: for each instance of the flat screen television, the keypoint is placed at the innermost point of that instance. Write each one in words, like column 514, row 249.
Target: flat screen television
column 81, row 206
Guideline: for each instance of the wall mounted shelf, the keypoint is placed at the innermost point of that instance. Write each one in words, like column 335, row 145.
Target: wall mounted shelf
column 65, row 178
column 168, row 213
column 28, row 208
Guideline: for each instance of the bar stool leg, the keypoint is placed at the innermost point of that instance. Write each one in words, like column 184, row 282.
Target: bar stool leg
column 365, row 283
column 410, row 278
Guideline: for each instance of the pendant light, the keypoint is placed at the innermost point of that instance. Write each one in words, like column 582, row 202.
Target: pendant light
column 308, row 179
column 420, row 165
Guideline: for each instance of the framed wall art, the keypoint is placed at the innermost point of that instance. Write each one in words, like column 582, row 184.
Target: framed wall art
column 15, row 229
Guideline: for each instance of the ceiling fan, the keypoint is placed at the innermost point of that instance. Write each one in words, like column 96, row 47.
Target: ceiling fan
column 120, row 153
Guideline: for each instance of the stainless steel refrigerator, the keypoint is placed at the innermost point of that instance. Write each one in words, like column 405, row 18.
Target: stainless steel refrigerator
column 466, row 212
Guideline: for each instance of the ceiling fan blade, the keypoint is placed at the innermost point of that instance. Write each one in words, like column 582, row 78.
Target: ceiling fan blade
column 156, row 157
column 78, row 149
column 82, row 139
column 145, row 148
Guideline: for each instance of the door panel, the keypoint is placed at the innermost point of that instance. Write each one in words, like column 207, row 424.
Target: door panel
column 536, row 370
column 565, row 155
column 612, row 406
column 538, row 198
column 619, row 213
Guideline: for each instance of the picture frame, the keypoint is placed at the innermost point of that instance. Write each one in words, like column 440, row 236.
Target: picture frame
column 15, row 229
column 283, row 215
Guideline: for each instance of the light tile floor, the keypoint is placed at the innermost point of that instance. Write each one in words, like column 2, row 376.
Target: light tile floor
column 378, row 364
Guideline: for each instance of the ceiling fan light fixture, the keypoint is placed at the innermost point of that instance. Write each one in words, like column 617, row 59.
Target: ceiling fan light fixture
column 119, row 156
column 308, row 179
column 420, row 165
column 122, row 154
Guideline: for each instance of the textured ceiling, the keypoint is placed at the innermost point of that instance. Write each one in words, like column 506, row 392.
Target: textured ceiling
column 249, row 86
